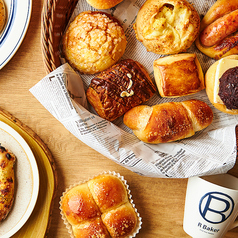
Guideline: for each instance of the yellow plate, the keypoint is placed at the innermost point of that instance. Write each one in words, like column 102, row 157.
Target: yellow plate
column 38, row 223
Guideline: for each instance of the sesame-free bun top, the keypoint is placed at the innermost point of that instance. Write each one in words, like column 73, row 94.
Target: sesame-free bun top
column 211, row 86
column 167, row 26
column 103, row 4
column 93, row 42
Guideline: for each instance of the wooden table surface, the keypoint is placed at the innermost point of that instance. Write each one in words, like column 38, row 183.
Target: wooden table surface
column 159, row 201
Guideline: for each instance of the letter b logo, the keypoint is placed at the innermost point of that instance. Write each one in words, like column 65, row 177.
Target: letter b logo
column 216, row 207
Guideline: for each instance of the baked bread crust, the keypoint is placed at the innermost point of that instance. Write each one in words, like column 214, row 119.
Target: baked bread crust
column 210, row 86
column 2, row 15
column 168, row 122
column 103, row 4
column 93, row 42
column 162, row 30
column 119, row 88
column 7, row 181
column 178, row 75
column 227, row 46
column 81, row 212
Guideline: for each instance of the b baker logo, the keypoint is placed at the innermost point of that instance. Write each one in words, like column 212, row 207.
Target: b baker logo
column 216, row 207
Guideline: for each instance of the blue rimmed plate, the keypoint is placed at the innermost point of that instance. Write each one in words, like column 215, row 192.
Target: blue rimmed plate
column 18, row 18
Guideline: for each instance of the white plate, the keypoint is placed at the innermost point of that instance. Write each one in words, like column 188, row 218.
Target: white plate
column 26, row 181
column 18, row 18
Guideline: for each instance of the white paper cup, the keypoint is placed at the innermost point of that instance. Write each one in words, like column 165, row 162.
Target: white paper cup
column 211, row 206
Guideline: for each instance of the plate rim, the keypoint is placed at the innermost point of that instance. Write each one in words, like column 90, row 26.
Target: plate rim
column 35, row 176
column 14, row 47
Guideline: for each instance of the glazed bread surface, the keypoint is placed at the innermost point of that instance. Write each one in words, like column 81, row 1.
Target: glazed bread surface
column 168, row 122
column 93, row 42
column 219, row 30
column 103, row 4
column 7, row 181
column 119, row 88
column 178, row 75
column 167, row 26
column 99, row 208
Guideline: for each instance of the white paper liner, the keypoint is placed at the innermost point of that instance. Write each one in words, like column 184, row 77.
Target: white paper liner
column 139, row 219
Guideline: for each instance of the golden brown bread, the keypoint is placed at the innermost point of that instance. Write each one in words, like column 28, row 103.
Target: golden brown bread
column 218, row 23
column 168, row 121
column 108, row 192
column 120, row 221
column 162, row 30
column 103, row 4
column 93, row 42
column 178, row 75
column 119, row 88
column 212, row 87
column 80, row 208
column 2, row 15
column 7, row 181
column 92, row 228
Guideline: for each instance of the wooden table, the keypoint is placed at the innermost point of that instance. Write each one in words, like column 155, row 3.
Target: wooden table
column 159, row 201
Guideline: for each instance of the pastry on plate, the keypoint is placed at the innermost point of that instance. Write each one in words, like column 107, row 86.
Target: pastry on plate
column 221, row 81
column 167, row 26
column 2, row 15
column 93, row 42
column 7, row 181
column 119, row 88
column 178, row 75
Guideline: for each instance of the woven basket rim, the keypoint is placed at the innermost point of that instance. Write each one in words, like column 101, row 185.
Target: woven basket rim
column 54, row 18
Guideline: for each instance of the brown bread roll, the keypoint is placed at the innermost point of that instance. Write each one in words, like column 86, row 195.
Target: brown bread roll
column 222, row 84
column 2, row 15
column 81, row 205
column 118, row 89
column 93, row 42
column 219, row 30
column 168, row 121
column 167, row 26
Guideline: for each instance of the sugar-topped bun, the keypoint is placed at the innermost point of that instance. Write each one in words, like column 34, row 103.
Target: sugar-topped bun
column 93, row 42
column 100, row 208
column 103, row 4
column 167, row 26
column 2, row 15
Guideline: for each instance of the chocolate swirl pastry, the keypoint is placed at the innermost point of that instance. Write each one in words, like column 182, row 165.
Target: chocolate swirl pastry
column 121, row 87
column 228, row 90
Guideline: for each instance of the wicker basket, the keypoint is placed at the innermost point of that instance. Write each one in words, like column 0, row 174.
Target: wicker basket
column 54, row 18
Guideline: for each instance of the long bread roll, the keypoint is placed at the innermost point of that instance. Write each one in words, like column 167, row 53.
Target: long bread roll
column 219, row 30
column 168, row 121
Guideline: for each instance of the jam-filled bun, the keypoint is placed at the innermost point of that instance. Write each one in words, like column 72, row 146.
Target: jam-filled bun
column 93, row 42
column 222, row 84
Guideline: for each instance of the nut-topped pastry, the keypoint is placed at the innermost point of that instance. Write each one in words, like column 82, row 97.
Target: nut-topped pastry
column 167, row 26
column 7, row 181
column 119, row 88
column 93, row 42
column 112, row 213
